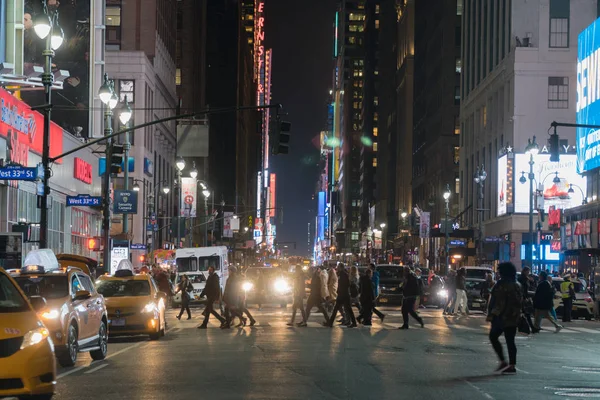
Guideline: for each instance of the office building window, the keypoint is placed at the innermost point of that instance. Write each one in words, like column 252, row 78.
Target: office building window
column 374, row 146
column 458, row 65
column 178, row 76
column 459, row 7
column 375, row 161
column 376, row 100
column 354, row 235
column 377, row 9
column 559, row 23
column 456, row 126
column 375, row 131
column 113, row 16
column 376, row 24
column 558, row 92
column 457, row 185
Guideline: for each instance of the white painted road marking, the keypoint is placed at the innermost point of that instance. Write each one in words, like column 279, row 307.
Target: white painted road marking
column 91, row 371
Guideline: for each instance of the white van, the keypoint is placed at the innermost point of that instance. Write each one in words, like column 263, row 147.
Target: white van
column 194, row 262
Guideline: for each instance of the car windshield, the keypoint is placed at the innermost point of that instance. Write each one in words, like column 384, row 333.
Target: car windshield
column 477, row 273
column 472, row 285
column 205, row 262
column 578, row 286
column 395, row 273
column 10, row 298
column 123, row 288
column 49, row 287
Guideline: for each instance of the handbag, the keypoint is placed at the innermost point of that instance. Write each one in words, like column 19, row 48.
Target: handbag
column 524, row 326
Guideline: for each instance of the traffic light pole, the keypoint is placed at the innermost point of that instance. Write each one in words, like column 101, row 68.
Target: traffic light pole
column 106, row 189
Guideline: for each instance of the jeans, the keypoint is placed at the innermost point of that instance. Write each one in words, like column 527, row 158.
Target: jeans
column 408, row 307
column 210, row 309
column 298, row 304
column 315, row 302
column 340, row 303
column 185, row 305
column 451, row 302
column 539, row 314
column 509, row 335
column 461, row 301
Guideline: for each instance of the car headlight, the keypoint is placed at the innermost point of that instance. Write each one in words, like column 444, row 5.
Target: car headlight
column 50, row 314
column 281, row 286
column 34, row 336
column 148, row 308
column 443, row 293
column 247, row 286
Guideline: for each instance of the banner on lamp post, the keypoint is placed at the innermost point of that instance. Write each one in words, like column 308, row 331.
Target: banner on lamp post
column 188, row 197
column 425, row 225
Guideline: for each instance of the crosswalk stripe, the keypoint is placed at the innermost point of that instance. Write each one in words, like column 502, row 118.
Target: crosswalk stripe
column 582, row 330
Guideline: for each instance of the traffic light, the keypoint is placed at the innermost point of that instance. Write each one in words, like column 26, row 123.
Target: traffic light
column 116, row 159
column 280, row 137
column 554, row 154
column 250, row 222
column 94, row 243
column 143, row 258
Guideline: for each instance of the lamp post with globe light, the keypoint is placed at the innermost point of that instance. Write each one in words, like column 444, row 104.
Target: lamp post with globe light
column 151, row 209
column 479, row 178
column 532, row 149
column 446, row 196
column 125, row 117
column 180, row 164
column 47, row 27
column 383, row 241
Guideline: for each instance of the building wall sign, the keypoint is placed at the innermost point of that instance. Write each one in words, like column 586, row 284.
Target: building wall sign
column 502, row 185
column 588, row 96
column 148, row 167
column 82, row 170
column 23, row 128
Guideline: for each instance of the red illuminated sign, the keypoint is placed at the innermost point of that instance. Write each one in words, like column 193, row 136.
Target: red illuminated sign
column 554, row 216
column 555, row 245
column 83, row 170
column 22, row 127
column 273, row 180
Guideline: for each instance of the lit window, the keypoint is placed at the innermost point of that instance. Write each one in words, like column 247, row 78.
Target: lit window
column 375, row 117
column 178, row 76
column 375, row 131
column 374, row 146
column 458, row 65
column 113, row 16
column 376, row 24
column 377, row 9
column 457, row 185
column 376, row 72
column 484, row 116
column 459, row 10
column 375, row 161
column 456, row 155
column 376, row 101
column 354, row 235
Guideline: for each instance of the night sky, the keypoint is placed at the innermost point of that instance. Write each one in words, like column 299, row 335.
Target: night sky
column 301, row 36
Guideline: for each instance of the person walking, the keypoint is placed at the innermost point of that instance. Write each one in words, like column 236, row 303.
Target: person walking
column 212, row 292
column 543, row 302
column 420, row 284
column 504, row 313
column 527, row 301
column 486, row 288
column 231, row 299
column 185, row 286
column 332, row 286
column 450, row 285
column 299, row 293
column 242, row 305
column 366, row 297
column 461, row 292
column 354, row 292
column 375, row 280
column 567, row 290
column 410, row 292
column 554, row 296
column 261, row 288
column 343, row 298
column 318, row 293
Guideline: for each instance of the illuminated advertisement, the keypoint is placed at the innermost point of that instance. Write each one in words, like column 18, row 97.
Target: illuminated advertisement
column 70, row 105
column 555, row 194
column 588, row 94
column 502, row 188
column 272, row 196
column 188, row 197
column 321, row 216
column 258, row 194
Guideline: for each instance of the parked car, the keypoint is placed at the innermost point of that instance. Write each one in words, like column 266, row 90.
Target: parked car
column 390, row 280
column 583, row 305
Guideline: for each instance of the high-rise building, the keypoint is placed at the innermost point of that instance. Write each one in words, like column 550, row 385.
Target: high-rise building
column 436, row 107
column 518, row 75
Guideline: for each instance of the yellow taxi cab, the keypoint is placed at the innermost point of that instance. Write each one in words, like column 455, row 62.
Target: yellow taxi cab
column 135, row 305
column 86, row 264
column 75, row 313
column 27, row 364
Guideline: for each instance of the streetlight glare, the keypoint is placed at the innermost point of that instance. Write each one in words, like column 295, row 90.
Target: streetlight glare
column 136, row 187
column 206, row 193
column 58, row 36
column 42, row 25
column 166, row 190
column 125, row 115
column 446, row 195
column 105, row 92
column 113, row 101
column 180, row 163
column 404, row 214
column 194, row 173
column 382, row 225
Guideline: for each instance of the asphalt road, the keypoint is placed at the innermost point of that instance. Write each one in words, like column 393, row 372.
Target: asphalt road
column 450, row 359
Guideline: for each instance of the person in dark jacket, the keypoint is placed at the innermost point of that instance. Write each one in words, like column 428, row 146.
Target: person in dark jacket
column 410, row 291
column 242, row 306
column 231, row 297
column 375, row 281
column 504, row 312
column 184, row 286
column 316, row 297
column 343, row 298
column 527, row 302
column 366, row 297
column 212, row 292
column 299, row 292
column 543, row 303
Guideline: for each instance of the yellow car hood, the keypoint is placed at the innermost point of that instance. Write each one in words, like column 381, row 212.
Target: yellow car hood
column 126, row 302
column 17, row 324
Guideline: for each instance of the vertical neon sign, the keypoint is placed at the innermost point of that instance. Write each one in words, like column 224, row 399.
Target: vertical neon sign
column 335, row 36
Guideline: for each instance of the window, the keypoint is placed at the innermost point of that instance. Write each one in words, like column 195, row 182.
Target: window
column 457, row 185
column 375, row 131
column 484, row 116
column 456, row 126
column 376, row 24
column 559, row 23
column 76, row 286
column 558, row 92
column 178, row 76
column 459, row 7
column 458, row 65
column 375, row 161
column 354, row 235
column 351, row 40
column 376, row 101
column 377, row 9
column 374, row 146
column 456, row 94
column 113, row 16
column 456, row 157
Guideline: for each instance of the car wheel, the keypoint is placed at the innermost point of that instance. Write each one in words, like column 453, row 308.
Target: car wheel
column 68, row 356
column 100, row 354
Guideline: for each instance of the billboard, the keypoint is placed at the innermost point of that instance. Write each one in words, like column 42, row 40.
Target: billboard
column 71, row 105
column 587, row 105
column 555, row 194
column 189, row 193
column 502, row 188
column 321, row 216
column 272, row 194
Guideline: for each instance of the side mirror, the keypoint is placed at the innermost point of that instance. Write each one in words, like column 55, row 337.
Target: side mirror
column 82, row 295
column 38, row 303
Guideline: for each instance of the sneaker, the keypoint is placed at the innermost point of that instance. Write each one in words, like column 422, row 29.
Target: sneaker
column 382, row 318
column 558, row 328
column 302, row 324
column 188, row 318
column 253, row 322
column 422, row 324
column 178, row 317
column 503, row 365
column 511, row 370
column 290, row 324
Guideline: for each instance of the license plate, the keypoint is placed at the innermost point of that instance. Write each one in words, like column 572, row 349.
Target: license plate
column 118, row 322
column 197, row 297
column 475, row 305
column 574, row 307
column 196, row 290
column 384, row 300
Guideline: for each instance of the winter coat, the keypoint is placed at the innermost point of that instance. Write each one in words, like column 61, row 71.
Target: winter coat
column 332, row 284
column 324, row 276
column 506, row 303
column 212, row 290
column 299, row 290
column 411, row 286
column 230, row 294
column 367, row 293
column 316, row 286
column 524, row 281
column 544, row 296
column 461, row 282
column 354, row 283
column 343, row 289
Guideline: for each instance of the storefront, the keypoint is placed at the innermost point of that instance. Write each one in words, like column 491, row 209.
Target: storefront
column 21, row 139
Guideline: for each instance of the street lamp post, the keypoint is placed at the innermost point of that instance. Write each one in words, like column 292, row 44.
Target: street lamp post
column 532, row 150
column 151, row 209
column 447, row 195
column 479, row 178
column 383, row 241
column 124, row 117
column 47, row 27
column 180, row 163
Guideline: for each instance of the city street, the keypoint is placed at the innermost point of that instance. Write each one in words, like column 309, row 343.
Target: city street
column 451, row 359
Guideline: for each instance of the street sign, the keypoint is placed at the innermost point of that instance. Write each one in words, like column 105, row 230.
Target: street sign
column 152, row 227
column 125, row 202
column 138, row 246
column 457, row 242
column 84, row 200
column 18, row 173
column 153, row 218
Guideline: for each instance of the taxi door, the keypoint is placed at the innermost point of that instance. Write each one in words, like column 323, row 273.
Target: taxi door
column 81, row 308
column 95, row 304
